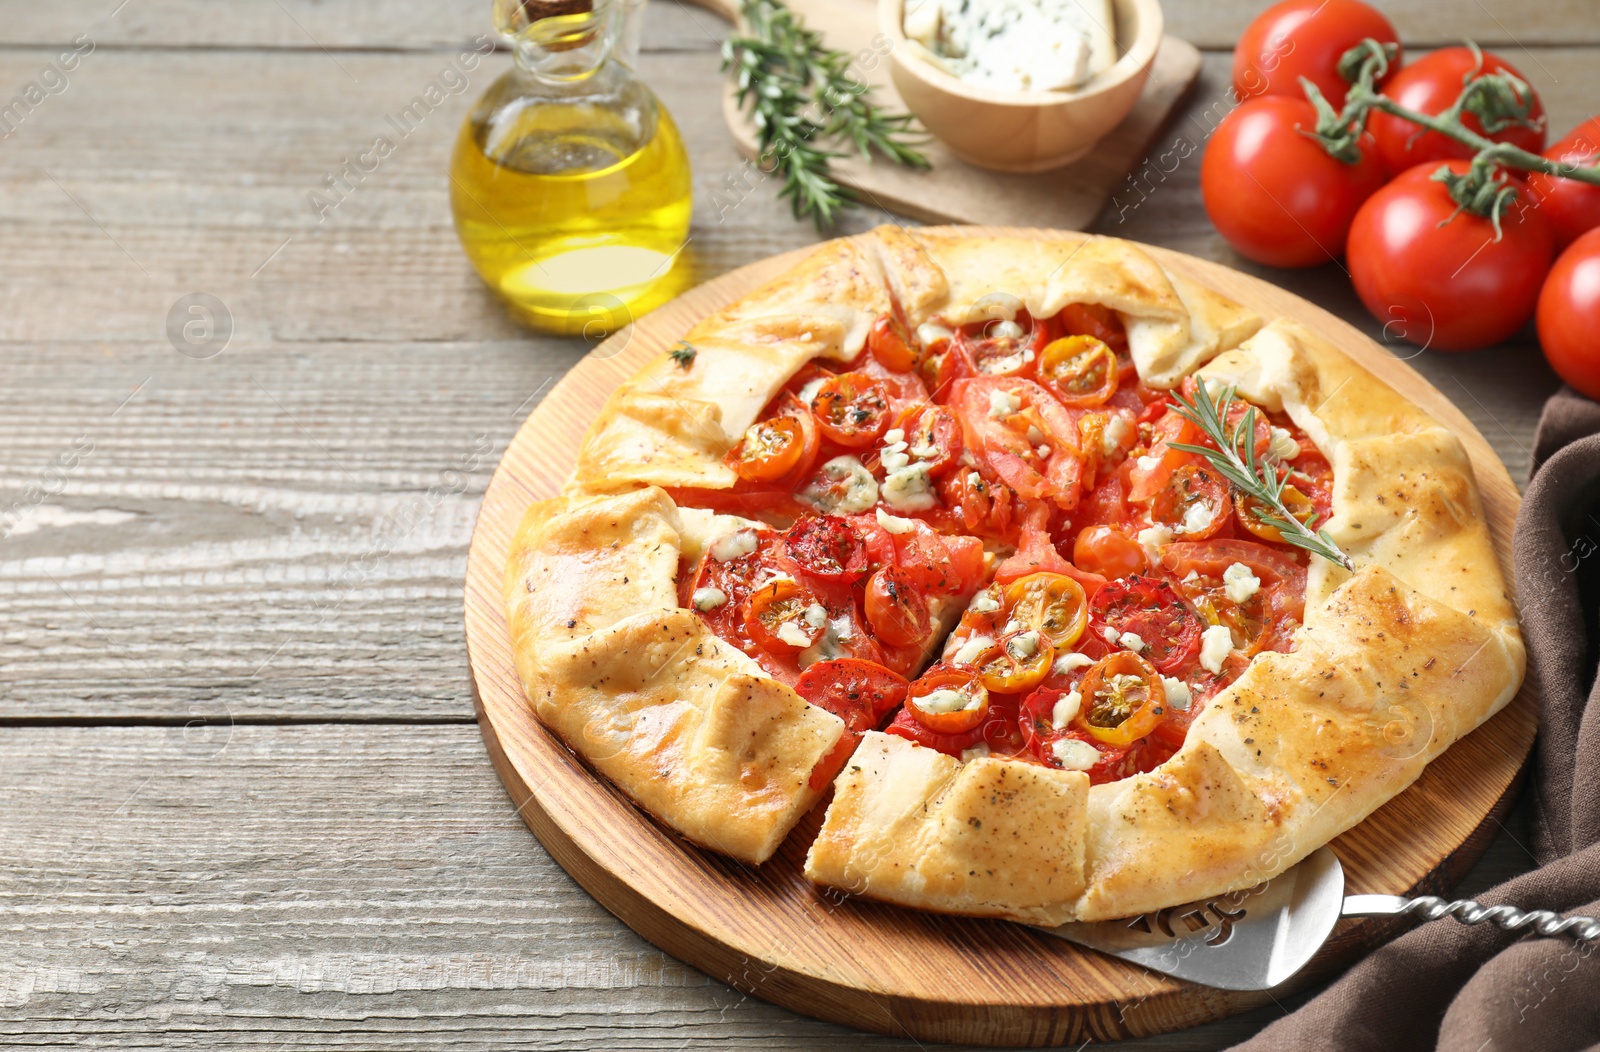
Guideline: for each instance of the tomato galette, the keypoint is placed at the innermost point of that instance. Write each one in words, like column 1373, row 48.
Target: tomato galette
column 1050, row 562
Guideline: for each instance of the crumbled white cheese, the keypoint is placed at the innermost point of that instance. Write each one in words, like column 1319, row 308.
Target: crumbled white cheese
column 1065, row 710
column 1283, row 446
column 1198, row 517
column 1067, row 663
column 709, row 598
column 1020, row 45
column 827, row 647
column 1131, row 641
column 1240, row 582
column 1035, row 436
column 973, row 478
column 930, row 333
column 977, row 752
column 1148, row 463
column 1153, row 537
column 924, row 451
column 793, row 634
column 894, row 435
column 1024, row 646
column 735, row 545
column 1042, row 451
column 771, row 576
column 860, row 491
column 1110, row 635
column 1178, row 696
column 1013, row 625
column 1190, row 576
column 909, row 489
column 1115, row 435
column 946, row 700
column 1216, row 643
column 984, row 603
column 894, row 523
column 969, row 651
column 808, row 392
column 1075, row 755
column 1006, row 330
column 1003, row 403
column 816, row 615
column 893, row 460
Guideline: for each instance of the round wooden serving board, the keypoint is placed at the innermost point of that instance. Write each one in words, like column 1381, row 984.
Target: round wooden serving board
column 772, row 934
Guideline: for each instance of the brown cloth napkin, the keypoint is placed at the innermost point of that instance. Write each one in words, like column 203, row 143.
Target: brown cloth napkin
column 1455, row 988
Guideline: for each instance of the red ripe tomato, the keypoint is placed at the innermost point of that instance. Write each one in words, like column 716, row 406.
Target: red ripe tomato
column 1449, row 286
column 892, row 346
column 859, row 692
column 852, row 409
column 1571, row 207
column 825, row 547
column 1569, row 315
column 896, row 609
column 1274, row 193
column 1151, row 610
column 1305, row 38
column 1429, row 85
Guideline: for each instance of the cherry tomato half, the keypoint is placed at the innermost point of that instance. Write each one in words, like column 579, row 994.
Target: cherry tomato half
column 1080, row 370
column 1123, row 699
column 769, row 450
column 859, row 692
column 1306, row 38
column 1571, row 208
column 1569, row 315
column 783, row 618
column 948, row 700
column 1107, row 551
column 895, row 608
column 1442, row 278
column 1251, row 512
column 1093, row 319
column 1274, row 193
column 1429, row 86
column 852, row 409
column 1151, row 610
column 1016, row 663
column 1051, row 604
column 1195, row 502
column 933, row 435
column 825, row 547
column 892, row 346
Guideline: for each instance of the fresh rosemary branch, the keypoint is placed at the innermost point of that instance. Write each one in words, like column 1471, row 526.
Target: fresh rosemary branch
column 801, row 94
column 683, row 354
column 1235, row 460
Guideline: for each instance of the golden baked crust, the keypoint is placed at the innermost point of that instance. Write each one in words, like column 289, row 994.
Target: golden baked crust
column 1393, row 663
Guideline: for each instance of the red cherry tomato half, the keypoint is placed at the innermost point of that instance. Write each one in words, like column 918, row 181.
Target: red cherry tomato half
column 1572, row 208
column 826, row 547
column 769, row 450
column 1274, row 193
column 1151, row 610
column 892, row 346
column 1107, row 551
column 780, row 620
column 1306, row 38
column 1444, row 280
column 933, row 435
column 1429, row 86
column 859, row 692
column 1569, row 315
column 852, row 409
column 895, row 608
column 948, row 700
column 1196, row 502
column 1093, row 319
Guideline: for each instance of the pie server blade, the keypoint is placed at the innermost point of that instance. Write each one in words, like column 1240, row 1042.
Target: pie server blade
column 1260, row 937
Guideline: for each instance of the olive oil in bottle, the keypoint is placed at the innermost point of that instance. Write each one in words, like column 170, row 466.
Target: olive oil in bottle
column 569, row 184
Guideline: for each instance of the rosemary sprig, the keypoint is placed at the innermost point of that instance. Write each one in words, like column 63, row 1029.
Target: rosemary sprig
column 800, row 94
column 683, row 354
column 1235, row 460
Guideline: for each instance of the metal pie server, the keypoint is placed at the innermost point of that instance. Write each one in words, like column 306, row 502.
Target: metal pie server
column 1260, row 937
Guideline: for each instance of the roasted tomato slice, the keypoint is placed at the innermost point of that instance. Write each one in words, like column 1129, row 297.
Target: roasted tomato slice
column 1151, row 471
column 1253, row 514
column 852, row 409
column 1196, row 502
column 1016, row 663
column 948, row 700
column 1266, row 618
column 1149, row 608
column 933, row 436
column 1107, row 551
column 1051, row 604
column 826, row 547
column 895, row 607
column 859, row 692
column 783, row 618
column 892, row 346
column 1079, row 370
column 1122, row 699
column 1000, row 348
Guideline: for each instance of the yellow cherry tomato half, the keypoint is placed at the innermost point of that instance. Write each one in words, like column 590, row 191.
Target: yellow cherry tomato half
column 1080, row 370
column 948, row 700
column 1250, row 511
column 1015, row 664
column 1123, row 699
column 781, row 618
column 1052, row 604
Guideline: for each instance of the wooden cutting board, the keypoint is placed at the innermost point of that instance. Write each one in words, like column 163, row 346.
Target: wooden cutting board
column 770, row 933
column 953, row 191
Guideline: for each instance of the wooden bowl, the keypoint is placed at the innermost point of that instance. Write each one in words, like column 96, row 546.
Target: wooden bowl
column 1025, row 131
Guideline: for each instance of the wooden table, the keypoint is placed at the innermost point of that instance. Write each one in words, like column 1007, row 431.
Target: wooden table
column 243, row 802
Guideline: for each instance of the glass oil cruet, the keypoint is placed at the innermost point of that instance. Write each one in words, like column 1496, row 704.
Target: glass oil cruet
column 569, row 184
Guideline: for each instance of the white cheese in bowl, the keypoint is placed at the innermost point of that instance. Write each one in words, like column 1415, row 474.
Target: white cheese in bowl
column 1015, row 45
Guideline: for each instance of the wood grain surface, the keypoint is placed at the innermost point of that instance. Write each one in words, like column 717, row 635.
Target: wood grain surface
column 772, row 934
column 152, row 584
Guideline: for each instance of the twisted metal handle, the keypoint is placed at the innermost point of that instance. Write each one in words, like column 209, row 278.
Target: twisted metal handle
column 1430, row 907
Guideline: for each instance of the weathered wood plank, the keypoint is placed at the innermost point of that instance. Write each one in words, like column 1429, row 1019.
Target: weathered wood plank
column 394, row 24
column 334, row 887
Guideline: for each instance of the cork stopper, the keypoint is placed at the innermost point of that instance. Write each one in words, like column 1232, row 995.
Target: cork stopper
column 534, row 10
